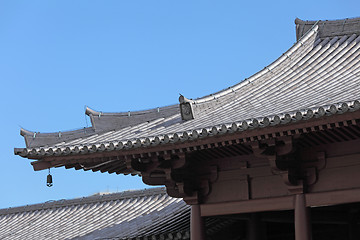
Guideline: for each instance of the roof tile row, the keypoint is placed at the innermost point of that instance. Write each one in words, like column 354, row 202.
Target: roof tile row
column 285, row 118
column 118, row 216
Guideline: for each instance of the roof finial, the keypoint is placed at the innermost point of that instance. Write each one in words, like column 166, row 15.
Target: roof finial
column 186, row 108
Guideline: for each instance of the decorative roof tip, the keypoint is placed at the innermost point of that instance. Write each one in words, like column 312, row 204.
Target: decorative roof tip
column 186, row 108
column 24, row 132
column 89, row 111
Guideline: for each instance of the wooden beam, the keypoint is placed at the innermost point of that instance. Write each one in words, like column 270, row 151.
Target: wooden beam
column 333, row 198
column 255, row 205
column 280, row 203
column 40, row 165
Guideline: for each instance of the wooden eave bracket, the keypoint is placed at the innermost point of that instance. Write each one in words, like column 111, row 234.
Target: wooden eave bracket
column 180, row 176
column 193, row 199
column 284, row 148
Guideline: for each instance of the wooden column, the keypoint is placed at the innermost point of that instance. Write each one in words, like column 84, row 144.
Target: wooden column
column 197, row 226
column 353, row 227
column 302, row 220
column 254, row 227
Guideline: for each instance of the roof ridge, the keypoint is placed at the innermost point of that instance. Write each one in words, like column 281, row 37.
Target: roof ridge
column 89, row 111
column 329, row 28
column 310, row 22
column 128, row 194
column 258, row 74
column 113, row 121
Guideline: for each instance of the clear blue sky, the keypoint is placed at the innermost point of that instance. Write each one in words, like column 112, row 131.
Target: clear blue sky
column 58, row 56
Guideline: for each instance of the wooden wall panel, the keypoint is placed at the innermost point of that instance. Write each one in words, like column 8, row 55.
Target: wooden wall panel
column 340, row 173
column 267, row 187
column 230, row 186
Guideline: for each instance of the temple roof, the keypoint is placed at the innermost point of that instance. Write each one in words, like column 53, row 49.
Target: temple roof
column 318, row 76
column 130, row 215
column 124, row 215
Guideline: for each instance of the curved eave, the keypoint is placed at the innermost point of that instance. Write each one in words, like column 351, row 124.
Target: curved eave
column 36, row 139
column 314, row 75
column 211, row 131
column 103, row 121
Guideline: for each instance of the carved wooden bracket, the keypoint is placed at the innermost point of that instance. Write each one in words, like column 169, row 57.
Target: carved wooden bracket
column 297, row 170
column 183, row 177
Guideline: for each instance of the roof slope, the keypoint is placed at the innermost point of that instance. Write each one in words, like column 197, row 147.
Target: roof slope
column 119, row 215
column 318, row 76
column 130, row 215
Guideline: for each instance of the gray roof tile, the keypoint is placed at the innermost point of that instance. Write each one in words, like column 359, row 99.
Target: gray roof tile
column 119, row 215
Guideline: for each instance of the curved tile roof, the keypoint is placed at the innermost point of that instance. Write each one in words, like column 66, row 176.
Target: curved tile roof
column 318, row 76
column 137, row 214
column 120, row 215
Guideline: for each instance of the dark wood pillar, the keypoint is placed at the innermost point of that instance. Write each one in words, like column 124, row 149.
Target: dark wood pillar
column 302, row 219
column 353, row 227
column 254, row 227
column 197, row 226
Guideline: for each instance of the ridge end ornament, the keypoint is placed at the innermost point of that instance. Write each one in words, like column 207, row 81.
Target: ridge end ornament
column 186, row 108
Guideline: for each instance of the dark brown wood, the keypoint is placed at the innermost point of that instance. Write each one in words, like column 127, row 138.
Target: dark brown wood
column 254, row 227
column 281, row 203
column 249, row 206
column 302, row 219
column 41, row 165
column 197, row 227
column 333, row 197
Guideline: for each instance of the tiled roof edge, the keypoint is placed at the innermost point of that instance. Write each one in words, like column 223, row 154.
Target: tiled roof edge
column 37, row 139
column 113, row 121
column 89, row 111
column 184, row 234
column 243, row 125
column 100, row 122
column 85, row 200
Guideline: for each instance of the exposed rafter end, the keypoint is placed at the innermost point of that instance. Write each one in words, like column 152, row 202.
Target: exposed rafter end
column 40, row 165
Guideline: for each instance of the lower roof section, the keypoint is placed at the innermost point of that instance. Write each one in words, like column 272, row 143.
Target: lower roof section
column 124, row 215
column 130, row 215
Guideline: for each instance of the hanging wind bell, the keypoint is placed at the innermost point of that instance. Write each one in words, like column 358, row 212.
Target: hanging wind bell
column 49, row 181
